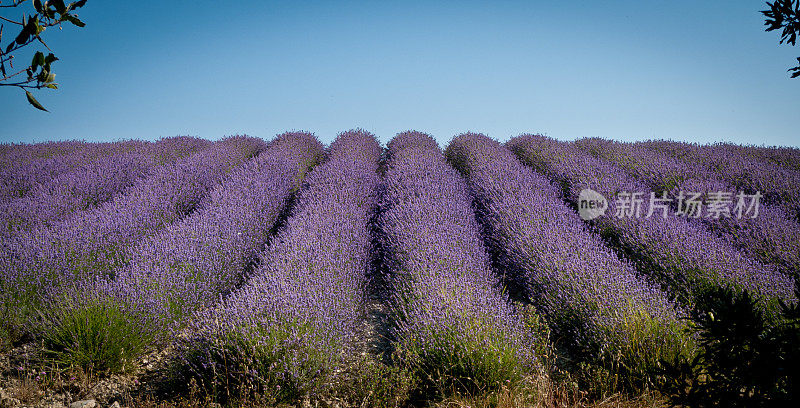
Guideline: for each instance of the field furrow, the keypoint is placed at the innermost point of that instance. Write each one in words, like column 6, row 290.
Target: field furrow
column 684, row 256
column 766, row 233
column 292, row 326
column 594, row 301
column 43, row 262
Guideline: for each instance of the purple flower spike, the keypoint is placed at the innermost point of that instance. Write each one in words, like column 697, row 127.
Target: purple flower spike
column 683, row 255
column 592, row 299
column 295, row 320
column 455, row 326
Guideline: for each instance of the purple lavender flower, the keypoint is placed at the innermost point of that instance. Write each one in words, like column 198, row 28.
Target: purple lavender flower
column 455, row 328
column 190, row 264
column 772, row 237
column 24, row 168
column 93, row 243
column 786, row 157
column 89, row 185
column 682, row 255
column 294, row 321
column 779, row 185
column 592, row 299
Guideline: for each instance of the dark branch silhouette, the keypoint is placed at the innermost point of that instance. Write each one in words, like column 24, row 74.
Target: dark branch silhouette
column 785, row 15
column 32, row 25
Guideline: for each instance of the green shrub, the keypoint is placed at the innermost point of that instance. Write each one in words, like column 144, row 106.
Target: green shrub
column 96, row 335
column 747, row 358
column 276, row 365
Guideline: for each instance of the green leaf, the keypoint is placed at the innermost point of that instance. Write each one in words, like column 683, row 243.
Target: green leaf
column 78, row 4
column 50, row 78
column 38, row 59
column 36, row 26
column 52, row 86
column 22, row 37
column 74, row 20
column 34, row 102
column 31, row 28
column 37, row 4
column 59, row 5
column 50, row 58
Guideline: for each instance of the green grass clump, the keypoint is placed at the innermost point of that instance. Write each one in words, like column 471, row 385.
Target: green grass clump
column 274, row 365
column 95, row 335
column 461, row 362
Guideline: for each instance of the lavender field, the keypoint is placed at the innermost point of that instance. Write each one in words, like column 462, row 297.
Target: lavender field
column 535, row 272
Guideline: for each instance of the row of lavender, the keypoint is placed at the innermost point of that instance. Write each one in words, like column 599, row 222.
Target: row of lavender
column 683, row 255
column 455, row 328
column 592, row 299
column 766, row 233
column 160, row 256
column 779, row 181
column 189, row 265
column 293, row 325
column 26, row 169
column 90, row 185
column 41, row 262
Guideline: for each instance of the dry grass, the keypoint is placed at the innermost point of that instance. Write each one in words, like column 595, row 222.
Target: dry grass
column 541, row 392
column 24, row 375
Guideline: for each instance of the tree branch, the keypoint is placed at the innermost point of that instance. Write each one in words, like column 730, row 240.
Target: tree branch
column 13, row 4
column 10, row 21
column 12, row 75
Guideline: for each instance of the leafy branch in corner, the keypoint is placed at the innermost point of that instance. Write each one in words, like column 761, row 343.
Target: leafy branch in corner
column 785, row 14
column 39, row 73
column 745, row 358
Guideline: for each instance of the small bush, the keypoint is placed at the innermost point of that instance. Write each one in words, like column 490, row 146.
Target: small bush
column 275, row 365
column 746, row 358
column 5, row 338
column 371, row 383
column 95, row 335
column 448, row 363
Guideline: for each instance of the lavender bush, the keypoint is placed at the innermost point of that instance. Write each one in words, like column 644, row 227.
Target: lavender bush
column 772, row 237
column 779, row 185
column 89, row 186
column 593, row 300
column 684, row 256
column 189, row 265
column 293, row 324
column 455, row 327
column 95, row 242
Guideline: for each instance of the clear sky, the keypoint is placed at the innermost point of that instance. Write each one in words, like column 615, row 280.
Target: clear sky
column 700, row 71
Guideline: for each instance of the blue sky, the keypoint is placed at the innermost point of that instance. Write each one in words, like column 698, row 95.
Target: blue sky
column 625, row 70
